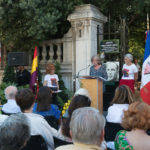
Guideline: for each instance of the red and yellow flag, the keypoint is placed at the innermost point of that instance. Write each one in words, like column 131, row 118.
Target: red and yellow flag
column 34, row 72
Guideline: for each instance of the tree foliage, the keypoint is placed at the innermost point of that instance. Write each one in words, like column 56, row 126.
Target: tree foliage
column 24, row 23
column 135, row 13
column 9, row 75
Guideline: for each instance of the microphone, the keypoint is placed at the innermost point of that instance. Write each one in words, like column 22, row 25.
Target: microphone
column 82, row 70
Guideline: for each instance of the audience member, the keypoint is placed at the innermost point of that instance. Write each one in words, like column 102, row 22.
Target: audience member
column 81, row 92
column 3, row 118
column 77, row 102
column 137, row 120
column 14, row 132
column 44, row 104
column 38, row 125
column 10, row 107
column 86, row 129
column 123, row 97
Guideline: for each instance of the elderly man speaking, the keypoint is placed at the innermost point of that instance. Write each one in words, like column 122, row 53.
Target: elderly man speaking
column 11, row 106
column 86, row 129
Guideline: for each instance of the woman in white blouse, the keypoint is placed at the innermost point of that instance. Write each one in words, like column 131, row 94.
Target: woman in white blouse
column 51, row 79
column 130, row 72
column 121, row 101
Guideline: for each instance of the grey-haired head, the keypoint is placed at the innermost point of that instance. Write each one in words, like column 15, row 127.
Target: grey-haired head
column 14, row 132
column 87, row 126
column 129, row 56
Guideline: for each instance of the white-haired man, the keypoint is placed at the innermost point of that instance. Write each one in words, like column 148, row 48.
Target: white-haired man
column 86, row 129
column 11, row 106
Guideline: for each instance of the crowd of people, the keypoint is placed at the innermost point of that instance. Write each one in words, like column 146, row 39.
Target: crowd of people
column 82, row 127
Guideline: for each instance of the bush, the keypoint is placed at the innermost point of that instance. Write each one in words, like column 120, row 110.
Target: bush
column 66, row 94
column 9, row 75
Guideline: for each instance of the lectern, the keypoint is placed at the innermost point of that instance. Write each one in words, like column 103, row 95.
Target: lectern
column 94, row 86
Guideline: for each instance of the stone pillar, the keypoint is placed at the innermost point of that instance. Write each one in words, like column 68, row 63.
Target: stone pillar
column 84, row 21
column 43, row 61
column 59, row 52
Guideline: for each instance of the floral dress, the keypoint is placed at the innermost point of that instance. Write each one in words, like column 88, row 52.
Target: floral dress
column 121, row 141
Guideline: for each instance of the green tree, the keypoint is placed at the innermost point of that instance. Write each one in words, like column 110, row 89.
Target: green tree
column 135, row 13
column 24, row 23
column 9, row 75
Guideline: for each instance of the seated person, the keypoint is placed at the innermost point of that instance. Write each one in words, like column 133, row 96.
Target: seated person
column 3, row 118
column 77, row 102
column 14, row 132
column 123, row 97
column 44, row 104
column 39, row 126
column 10, row 107
column 86, row 130
column 137, row 120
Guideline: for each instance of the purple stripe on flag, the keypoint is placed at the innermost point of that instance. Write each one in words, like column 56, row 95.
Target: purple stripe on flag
column 33, row 79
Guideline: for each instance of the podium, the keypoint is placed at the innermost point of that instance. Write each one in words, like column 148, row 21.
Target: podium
column 94, row 86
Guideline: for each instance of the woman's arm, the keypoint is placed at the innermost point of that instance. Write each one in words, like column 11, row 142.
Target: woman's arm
column 45, row 83
column 57, row 85
column 136, row 76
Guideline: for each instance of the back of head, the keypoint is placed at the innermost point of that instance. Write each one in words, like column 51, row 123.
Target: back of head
column 137, row 117
column 25, row 99
column 87, row 125
column 123, row 95
column 10, row 92
column 44, row 99
column 14, row 132
column 77, row 102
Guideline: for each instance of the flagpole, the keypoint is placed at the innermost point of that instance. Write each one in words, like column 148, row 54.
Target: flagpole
column 147, row 22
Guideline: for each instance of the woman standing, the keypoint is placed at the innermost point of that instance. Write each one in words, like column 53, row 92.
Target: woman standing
column 98, row 70
column 130, row 72
column 51, row 80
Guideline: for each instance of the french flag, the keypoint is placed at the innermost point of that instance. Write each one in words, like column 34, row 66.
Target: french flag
column 145, row 81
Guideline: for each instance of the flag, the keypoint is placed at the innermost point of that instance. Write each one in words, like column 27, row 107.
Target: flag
column 34, row 72
column 145, row 81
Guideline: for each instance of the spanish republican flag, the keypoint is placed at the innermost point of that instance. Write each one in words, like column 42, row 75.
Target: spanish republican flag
column 34, row 72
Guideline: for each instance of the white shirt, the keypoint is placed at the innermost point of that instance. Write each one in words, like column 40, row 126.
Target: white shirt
column 39, row 126
column 116, row 113
column 51, row 80
column 11, row 107
column 129, row 71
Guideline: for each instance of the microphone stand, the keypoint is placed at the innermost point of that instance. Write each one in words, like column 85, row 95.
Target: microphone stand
column 82, row 70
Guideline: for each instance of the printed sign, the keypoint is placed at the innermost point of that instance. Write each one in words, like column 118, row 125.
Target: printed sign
column 109, row 46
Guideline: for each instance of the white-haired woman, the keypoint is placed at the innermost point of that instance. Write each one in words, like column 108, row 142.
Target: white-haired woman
column 98, row 70
column 130, row 72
